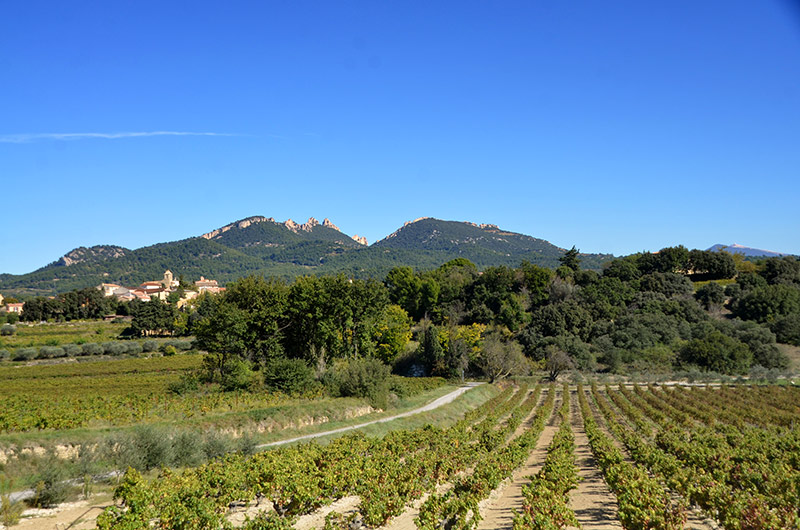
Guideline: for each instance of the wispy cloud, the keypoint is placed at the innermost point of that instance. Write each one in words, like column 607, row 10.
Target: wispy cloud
column 25, row 138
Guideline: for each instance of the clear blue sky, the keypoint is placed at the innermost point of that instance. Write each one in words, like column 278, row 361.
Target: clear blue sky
column 613, row 126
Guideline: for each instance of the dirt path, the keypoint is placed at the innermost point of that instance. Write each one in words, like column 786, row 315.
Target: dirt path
column 594, row 504
column 79, row 515
column 436, row 403
column 497, row 509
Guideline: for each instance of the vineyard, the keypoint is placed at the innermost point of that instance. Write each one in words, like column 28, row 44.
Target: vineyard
column 664, row 458
column 118, row 393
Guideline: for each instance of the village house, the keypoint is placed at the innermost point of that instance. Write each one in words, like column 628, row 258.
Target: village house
column 160, row 289
column 204, row 285
column 14, row 308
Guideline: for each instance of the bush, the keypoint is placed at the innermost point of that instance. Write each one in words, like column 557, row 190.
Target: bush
column 7, row 330
column 292, row 376
column 169, row 349
column 215, row 444
column 133, row 348
column 187, row 383
column 92, row 348
column 5, row 355
column 367, row 378
column 107, row 347
column 52, row 487
column 187, row 449
column 787, row 329
column 239, row 376
column 149, row 346
column 50, row 352
column 71, row 350
column 116, row 349
column 25, row 354
column 181, row 345
column 147, row 448
column 719, row 353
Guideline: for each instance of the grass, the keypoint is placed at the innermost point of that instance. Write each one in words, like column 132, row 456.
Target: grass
column 56, row 334
column 442, row 417
column 722, row 283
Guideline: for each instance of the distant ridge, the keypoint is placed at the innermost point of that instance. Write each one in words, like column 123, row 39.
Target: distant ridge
column 262, row 245
column 747, row 251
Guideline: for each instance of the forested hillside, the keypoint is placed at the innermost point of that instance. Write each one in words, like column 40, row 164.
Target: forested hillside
column 260, row 245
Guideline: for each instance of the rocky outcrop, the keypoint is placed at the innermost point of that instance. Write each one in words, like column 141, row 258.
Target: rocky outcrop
column 244, row 223
column 360, row 239
column 96, row 253
column 328, row 224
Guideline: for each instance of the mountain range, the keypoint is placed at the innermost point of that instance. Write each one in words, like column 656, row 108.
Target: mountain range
column 262, row 245
column 749, row 252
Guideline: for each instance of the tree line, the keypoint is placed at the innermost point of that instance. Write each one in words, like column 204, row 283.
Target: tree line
column 641, row 313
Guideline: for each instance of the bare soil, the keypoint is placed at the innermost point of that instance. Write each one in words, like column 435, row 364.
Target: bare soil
column 594, row 504
column 498, row 510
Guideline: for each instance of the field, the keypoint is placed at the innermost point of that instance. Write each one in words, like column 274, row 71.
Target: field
column 603, row 457
column 58, row 334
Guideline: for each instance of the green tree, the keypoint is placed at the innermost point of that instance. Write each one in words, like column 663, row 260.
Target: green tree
column 571, row 259
column 717, row 352
column 153, row 318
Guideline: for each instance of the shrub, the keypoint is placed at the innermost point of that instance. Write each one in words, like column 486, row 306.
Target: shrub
column 116, row 348
column 367, row 378
column 50, row 352
column 5, row 355
column 149, row 346
column 52, row 487
column 25, row 354
column 187, row 383
column 239, row 376
column 146, row 448
column 182, row 345
column 71, row 350
column 107, row 347
column 133, row 348
column 215, row 444
column 787, row 329
column 92, row 348
column 187, row 449
column 169, row 349
column 8, row 330
column 292, row 376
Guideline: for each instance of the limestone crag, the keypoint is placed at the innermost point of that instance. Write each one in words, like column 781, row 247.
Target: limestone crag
column 98, row 252
column 244, row 223
column 360, row 239
column 328, row 224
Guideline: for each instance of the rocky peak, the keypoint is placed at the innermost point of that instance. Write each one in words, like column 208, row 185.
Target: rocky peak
column 244, row 223
column 305, row 227
column 328, row 224
column 96, row 253
column 360, row 239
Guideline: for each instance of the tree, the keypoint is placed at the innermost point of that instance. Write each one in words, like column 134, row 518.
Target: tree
column 570, row 259
column 500, row 358
column 767, row 304
column 711, row 295
column 557, row 361
column 719, row 353
column 393, row 332
column 153, row 318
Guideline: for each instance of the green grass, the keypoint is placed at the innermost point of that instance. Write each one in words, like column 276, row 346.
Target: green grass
column 442, row 417
column 722, row 283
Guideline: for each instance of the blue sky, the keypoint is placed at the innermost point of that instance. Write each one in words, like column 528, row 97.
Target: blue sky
column 613, row 126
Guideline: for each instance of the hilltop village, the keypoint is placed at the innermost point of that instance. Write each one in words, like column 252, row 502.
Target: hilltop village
column 161, row 289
